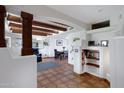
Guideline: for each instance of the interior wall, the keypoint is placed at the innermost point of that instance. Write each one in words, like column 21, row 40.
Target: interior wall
column 67, row 39
column 116, row 62
column 49, row 50
column 17, row 71
column 72, row 45
column 116, row 21
column 97, row 37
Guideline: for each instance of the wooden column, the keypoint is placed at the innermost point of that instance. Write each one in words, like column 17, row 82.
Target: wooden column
column 26, row 33
column 2, row 26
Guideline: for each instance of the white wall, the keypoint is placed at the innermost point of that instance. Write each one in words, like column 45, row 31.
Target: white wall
column 16, row 44
column 67, row 39
column 117, row 62
column 49, row 50
column 17, row 72
column 78, row 43
column 116, row 21
column 97, row 37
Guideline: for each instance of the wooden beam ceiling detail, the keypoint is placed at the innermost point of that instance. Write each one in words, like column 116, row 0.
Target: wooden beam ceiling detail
column 14, row 18
column 33, row 28
column 46, row 25
column 19, row 30
column 36, row 23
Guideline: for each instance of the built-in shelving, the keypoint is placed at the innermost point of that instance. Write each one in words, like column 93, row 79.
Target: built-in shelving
column 97, row 67
column 92, row 54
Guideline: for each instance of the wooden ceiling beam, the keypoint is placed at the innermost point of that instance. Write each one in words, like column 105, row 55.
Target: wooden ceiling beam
column 46, row 25
column 14, row 18
column 33, row 28
column 44, row 30
column 36, row 23
column 39, row 33
column 19, row 30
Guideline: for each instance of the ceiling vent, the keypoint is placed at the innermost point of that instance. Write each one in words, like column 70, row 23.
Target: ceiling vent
column 101, row 25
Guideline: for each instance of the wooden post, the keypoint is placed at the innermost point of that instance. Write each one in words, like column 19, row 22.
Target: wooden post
column 26, row 33
column 2, row 26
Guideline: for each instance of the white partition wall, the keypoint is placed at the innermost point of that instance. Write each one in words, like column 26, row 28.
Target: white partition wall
column 17, row 72
column 75, row 43
column 78, row 68
column 117, row 62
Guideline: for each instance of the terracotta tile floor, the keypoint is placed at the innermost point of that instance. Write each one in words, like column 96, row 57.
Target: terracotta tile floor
column 64, row 77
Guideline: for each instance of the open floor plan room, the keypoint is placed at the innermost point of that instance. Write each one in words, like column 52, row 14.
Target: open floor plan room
column 61, row 46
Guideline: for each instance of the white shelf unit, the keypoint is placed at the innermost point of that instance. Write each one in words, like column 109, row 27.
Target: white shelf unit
column 102, row 71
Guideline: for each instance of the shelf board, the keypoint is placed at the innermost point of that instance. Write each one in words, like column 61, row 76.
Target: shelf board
column 91, row 64
column 93, row 58
column 100, row 30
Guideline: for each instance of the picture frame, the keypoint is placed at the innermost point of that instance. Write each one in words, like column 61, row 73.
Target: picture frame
column 104, row 43
column 45, row 43
column 59, row 42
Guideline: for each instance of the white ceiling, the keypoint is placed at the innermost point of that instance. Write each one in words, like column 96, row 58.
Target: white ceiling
column 89, row 13
column 43, row 13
